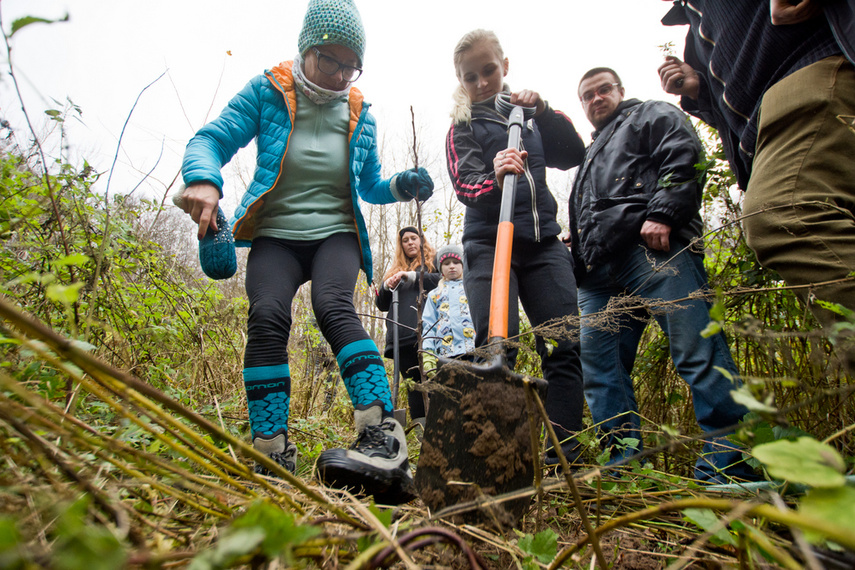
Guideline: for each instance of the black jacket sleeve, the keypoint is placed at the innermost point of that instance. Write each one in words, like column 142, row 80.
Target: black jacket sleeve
column 703, row 107
column 474, row 180
column 432, row 280
column 384, row 298
column 676, row 151
column 562, row 146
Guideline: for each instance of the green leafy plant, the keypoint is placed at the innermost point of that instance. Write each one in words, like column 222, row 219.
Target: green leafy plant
column 264, row 531
column 542, row 547
column 821, row 467
column 707, row 520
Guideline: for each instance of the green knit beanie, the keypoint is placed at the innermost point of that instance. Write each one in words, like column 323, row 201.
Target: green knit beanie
column 332, row 22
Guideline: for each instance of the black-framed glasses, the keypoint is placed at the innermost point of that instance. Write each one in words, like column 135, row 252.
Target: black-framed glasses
column 602, row 91
column 330, row 66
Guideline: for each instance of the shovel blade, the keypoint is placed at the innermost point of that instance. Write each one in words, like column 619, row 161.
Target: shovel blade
column 477, row 441
column 401, row 416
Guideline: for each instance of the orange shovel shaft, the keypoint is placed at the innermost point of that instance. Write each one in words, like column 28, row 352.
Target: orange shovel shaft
column 501, row 281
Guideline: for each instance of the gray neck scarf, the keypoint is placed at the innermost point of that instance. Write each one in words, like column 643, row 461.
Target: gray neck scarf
column 317, row 95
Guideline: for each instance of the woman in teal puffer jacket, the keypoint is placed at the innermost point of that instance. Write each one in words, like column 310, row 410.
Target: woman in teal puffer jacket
column 317, row 154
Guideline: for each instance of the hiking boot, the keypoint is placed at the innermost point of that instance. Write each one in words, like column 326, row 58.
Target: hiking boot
column 376, row 464
column 280, row 450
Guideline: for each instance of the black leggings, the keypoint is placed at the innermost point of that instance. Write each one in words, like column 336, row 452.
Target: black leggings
column 275, row 270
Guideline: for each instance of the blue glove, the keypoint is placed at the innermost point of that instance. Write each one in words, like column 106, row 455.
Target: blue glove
column 415, row 183
column 217, row 250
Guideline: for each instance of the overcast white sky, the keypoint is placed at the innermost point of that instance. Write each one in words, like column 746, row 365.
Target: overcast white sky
column 110, row 49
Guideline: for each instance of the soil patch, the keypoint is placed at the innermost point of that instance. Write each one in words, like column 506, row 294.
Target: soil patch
column 477, row 442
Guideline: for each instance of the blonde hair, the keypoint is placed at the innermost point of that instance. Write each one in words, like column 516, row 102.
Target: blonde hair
column 472, row 38
column 403, row 263
column 462, row 111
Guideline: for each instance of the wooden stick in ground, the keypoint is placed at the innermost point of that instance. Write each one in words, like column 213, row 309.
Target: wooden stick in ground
column 535, row 457
column 421, row 297
column 565, row 467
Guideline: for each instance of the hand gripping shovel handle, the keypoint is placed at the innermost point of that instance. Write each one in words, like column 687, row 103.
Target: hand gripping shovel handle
column 517, row 116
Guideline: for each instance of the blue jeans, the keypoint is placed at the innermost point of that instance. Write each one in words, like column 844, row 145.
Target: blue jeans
column 609, row 355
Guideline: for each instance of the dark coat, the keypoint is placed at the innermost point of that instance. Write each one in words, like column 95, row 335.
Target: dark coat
column 550, row 140
column 408, row 294
column 641, row 166
column 739, row 54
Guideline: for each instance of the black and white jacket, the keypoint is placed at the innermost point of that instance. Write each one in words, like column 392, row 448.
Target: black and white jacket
column 550, row 139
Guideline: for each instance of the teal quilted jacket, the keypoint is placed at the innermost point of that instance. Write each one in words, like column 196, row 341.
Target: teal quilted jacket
column 264, row 110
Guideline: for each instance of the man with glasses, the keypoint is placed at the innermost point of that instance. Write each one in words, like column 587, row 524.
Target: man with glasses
column 635, row 224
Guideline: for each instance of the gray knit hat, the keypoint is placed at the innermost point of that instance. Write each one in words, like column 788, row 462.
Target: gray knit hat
column 332, row 22
column 450, row 250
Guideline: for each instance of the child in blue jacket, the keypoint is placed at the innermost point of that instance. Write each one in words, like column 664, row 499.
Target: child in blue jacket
column 447, row 328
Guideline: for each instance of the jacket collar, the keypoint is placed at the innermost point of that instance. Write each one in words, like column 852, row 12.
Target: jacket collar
column 602, row 136
column 623, row 110
column 464, row 110
column 676, row 16
column 486, row 110
column 284, row 75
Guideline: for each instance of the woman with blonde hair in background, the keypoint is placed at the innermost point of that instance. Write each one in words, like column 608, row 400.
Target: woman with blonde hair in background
column 404, row 276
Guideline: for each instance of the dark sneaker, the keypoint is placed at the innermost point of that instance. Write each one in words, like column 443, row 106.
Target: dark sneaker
column 376, row 464
column 280, row 450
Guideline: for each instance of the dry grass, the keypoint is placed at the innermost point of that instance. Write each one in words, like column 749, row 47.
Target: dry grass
column 168, row 482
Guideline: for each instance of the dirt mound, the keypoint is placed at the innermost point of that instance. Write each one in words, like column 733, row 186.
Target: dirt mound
column 477, row 442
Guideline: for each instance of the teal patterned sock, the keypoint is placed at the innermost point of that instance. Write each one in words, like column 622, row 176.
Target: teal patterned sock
column 268, row 395
column 364, row 374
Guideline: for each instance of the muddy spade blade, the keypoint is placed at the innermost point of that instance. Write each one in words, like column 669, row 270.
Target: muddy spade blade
column 477, row 441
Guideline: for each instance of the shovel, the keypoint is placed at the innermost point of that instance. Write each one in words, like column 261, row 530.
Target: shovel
column 478, row 438
column 400, row 414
